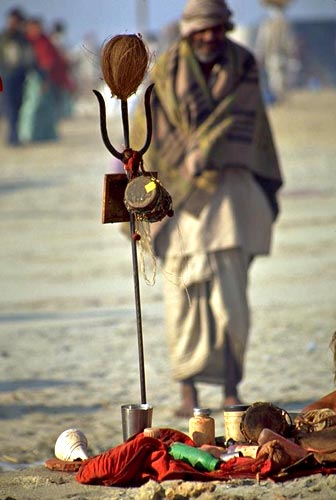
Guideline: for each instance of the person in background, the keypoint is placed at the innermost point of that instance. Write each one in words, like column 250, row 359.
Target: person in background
column 213, row 149
column 85, row 60
column 15, row 60
column 169, row 34
column 44, row 87
column 58, row 37
column 277, row 52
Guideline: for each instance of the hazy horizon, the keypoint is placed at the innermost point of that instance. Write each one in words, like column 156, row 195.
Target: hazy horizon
column 107, row 17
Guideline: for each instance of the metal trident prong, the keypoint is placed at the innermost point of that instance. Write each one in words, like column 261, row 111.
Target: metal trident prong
column 103, row 128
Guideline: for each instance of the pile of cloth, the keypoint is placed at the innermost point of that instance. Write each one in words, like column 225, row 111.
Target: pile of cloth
column 310, row 449
column 144, row 458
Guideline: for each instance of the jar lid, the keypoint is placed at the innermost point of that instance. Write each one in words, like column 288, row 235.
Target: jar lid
column 202, row 412
column 236, row 407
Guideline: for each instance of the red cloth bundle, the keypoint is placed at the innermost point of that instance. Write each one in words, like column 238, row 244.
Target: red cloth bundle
column 143, row 458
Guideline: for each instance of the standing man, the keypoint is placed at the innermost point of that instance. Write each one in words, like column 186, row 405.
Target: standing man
column 213, row 149
column 15, row 60
column 277, row 51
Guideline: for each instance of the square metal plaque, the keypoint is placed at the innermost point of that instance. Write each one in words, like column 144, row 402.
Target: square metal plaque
column 114, row 209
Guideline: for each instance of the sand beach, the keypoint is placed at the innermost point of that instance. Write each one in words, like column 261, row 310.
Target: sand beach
column 68, row 349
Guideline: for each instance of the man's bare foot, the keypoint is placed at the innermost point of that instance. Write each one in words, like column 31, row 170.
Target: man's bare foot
column 232, row 401
column 184, row 412
column 189, row 400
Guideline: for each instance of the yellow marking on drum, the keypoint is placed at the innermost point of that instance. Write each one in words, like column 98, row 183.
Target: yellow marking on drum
column 150, row 186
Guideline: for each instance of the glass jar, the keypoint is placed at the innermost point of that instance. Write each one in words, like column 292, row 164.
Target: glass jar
column 202, row 427
column 232, row 422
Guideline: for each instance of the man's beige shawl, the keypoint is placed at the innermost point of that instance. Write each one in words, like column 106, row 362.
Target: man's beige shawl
column 198, row 132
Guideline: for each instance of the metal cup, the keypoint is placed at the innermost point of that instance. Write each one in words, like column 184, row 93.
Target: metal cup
column 135, row 418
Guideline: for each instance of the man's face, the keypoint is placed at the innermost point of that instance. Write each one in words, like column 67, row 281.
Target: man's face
column 209, row 43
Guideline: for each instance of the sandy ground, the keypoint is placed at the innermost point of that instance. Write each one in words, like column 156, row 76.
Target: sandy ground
column 67, row 318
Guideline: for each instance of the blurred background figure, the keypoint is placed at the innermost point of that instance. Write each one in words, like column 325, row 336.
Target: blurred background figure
column 169, row 34
column 58, row 36
column 15, row 60
column 85, row 61
column 44, row 87
column 276, row 50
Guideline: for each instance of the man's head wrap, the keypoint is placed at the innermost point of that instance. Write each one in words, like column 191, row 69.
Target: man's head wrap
column 202, row 14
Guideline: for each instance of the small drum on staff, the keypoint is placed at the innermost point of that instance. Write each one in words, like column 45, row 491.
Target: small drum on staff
column 147, row 199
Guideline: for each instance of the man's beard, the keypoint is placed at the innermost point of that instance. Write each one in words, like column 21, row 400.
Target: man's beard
column 208, row 56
